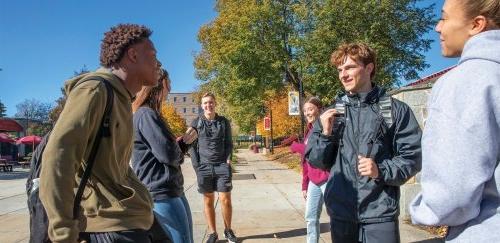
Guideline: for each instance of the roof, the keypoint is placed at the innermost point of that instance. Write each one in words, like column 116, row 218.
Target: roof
column 429, row 79
column 10, row 125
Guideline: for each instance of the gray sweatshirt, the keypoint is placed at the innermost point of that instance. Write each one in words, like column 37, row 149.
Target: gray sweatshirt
column 460, row 146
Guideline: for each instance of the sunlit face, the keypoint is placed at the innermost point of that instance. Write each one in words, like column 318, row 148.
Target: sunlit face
column 453, row 28
column 208, row 105
column 311, row 112
column 355, row 76
column 147, row 64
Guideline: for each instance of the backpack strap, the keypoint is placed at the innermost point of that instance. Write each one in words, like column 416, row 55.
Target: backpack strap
column 199, row 124
column 104, row 131
column 340, row 106
column 385, row 109
column 385, row 116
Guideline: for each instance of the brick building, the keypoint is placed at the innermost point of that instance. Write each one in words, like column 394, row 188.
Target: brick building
column 185, row 105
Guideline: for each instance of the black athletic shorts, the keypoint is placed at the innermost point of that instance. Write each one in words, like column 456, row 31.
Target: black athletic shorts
column 214, row 177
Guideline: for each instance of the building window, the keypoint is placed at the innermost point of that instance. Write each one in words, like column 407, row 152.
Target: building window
column 184, row 99
column 184, row 110
column 175, row 99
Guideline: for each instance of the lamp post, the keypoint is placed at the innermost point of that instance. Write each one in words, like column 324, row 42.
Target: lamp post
column 292, row 73
column 290, row 77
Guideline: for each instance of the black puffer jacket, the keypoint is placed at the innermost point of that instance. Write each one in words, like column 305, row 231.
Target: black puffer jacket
column 396, row 149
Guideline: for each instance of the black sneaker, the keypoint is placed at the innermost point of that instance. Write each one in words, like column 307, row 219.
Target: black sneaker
column 230, row 237
column 212, row 238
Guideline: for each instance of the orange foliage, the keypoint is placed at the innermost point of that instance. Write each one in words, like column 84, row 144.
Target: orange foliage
column 282, row 123
column 174, row 120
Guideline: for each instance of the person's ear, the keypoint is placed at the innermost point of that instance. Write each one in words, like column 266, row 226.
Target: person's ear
column 132, row 54
column 479, row 24
column 369, row 68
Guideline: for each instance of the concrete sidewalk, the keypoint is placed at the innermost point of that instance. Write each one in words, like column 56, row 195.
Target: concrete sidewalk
column 270, row 208
column 267, row 202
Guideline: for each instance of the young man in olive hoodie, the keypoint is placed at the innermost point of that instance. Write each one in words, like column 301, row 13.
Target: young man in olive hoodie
column 115, row 205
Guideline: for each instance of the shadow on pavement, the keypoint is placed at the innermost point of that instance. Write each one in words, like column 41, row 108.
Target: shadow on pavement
column 435, row 240
column 324, row 227
column 13, row 175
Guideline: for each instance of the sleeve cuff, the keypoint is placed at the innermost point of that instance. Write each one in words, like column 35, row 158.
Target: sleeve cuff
column 381, row 173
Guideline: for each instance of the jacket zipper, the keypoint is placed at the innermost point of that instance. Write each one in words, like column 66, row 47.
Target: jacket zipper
column 356, row 159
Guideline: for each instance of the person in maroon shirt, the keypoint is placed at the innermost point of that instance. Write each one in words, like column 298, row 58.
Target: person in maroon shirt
column 313, row 179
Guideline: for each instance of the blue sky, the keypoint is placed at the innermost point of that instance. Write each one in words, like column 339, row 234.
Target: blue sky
column 43, row 42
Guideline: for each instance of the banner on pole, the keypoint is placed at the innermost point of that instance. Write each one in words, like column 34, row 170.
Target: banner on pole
column 267, row 123
column 293, row 103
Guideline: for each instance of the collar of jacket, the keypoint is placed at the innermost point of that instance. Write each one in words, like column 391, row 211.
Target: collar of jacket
column 371, row 97
column 216, row 117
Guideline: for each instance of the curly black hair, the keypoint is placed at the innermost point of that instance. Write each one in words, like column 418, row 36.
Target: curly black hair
column 118, row 39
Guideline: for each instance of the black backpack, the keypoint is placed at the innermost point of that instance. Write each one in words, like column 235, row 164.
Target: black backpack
column 38, row 216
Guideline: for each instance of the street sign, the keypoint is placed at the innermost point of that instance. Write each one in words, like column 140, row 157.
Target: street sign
column 267, row 123
column 293, row 103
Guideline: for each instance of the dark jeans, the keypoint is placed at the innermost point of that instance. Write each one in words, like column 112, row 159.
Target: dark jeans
column 155, row 234
column 348, row 232
column 125, row 236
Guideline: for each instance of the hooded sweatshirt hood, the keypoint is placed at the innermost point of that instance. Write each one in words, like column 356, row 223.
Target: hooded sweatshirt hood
column 483, row 46
column 115, row 81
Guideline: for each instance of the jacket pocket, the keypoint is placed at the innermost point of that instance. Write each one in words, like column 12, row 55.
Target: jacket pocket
column 138, row 197
column 90, row 202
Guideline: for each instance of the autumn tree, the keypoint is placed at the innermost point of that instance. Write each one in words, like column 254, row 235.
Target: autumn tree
column 282, row 123
column 252, row 46
column 176, row 123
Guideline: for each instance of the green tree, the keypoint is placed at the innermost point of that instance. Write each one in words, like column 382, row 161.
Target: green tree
column 241, row 57
column 3, row 109
column 394, row 28
column 250, row 45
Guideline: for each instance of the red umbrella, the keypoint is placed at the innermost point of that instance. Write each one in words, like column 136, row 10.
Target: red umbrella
column 29, row 140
